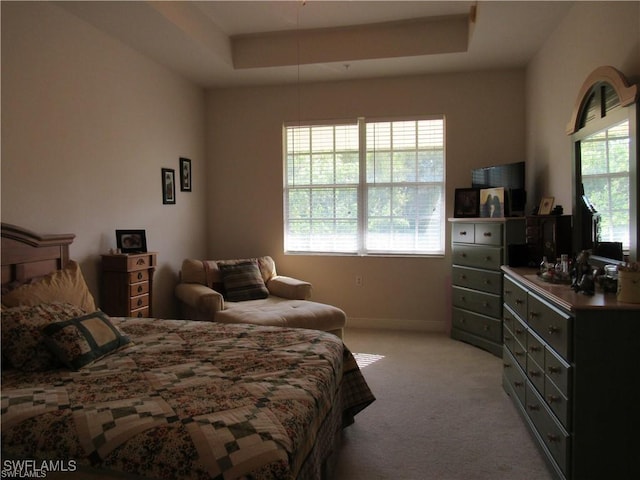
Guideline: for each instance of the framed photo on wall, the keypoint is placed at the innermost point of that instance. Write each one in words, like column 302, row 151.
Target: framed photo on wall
column 492, row 202
column 466, row 203
column 168, row 186
column 185, row 174
column 131, row 241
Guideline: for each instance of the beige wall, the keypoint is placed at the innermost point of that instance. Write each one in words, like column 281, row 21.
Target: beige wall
column 593, row 34
column 484, row 124
column 87, row 124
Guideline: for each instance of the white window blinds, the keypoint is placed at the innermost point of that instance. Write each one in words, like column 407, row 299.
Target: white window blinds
column 365, row 187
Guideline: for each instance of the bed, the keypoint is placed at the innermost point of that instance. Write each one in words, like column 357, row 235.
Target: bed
column 168, row 399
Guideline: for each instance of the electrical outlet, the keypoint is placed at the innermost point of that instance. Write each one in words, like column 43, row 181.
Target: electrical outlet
column 358, row 280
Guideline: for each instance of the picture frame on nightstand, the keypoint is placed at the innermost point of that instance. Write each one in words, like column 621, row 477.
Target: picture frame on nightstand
column 131, row 241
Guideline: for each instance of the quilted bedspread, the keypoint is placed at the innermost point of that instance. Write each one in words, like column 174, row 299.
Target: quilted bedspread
column 190, row 400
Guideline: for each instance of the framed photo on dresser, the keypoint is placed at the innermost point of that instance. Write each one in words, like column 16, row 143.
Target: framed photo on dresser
column 466, row 203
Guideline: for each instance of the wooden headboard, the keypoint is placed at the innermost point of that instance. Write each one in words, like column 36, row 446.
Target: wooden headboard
column 27, row 255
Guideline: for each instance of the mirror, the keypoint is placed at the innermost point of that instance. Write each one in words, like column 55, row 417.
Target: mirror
column 604, row 132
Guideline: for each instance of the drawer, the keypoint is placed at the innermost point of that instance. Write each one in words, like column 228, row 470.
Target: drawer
column 480, row 302
column 508, row 319
column 535, row 349
column 507, row 337
column 557, row 401
column 139, row 262
column 513, row 375
column 140, row 313
column 463, row 233
column 488, row 234
column 558, row 371
column 477, row 279
column 519, row 352
column 551, row 324
column 138, row 302
column 139, row 276
column 535, row 373
column 477, row 256
column 520, row 332
column 515, row 296
column 481, row 325
column 554, row 436
column 139, row 288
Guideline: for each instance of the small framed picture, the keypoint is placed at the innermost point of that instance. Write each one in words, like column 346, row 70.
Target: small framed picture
column 492, row 202
column 185, row 175
column 131, row 241
column 546, row 204
column 168, row 186
column 466, row 203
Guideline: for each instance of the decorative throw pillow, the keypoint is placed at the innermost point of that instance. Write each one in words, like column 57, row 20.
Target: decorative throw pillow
column 243, row 281
column 22, row 340
column 66, row 285
column 77, row 342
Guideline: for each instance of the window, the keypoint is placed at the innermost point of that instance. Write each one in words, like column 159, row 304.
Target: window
column 365, row 187
column 605, row 178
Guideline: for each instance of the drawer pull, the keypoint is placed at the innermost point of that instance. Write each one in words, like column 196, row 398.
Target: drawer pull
column 140, row 275
column 141, row 261
column 532, row 315
column 553, row 329
column 533, row 408
column 487, row 281
column 140, row 288
column 139, row 315
column 506, row 365
column 487, row 234
column 519, row 331
column 534, row 348
column 463, row 255
column 519, row 302
column 139, row 302
column 464, row 232
column 534, row 373
column 518, row 384
column 553, row 438
column 463, row 277
column 553, row 370
column 508, row 292
column 485, row 304
column 488, row 258
column 519, row 354
column 486, row 328
column 553, row 398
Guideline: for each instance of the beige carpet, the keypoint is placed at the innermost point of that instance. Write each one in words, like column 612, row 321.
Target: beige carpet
column 440, row 414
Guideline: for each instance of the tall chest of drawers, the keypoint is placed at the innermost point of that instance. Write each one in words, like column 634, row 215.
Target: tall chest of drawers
column 569, row 368
column 479, row 248
column 127, row 284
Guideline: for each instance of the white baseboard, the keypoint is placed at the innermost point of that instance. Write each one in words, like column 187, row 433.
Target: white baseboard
column 398, row 324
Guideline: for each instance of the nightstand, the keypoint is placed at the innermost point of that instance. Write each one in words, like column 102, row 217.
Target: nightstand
column 127, row 284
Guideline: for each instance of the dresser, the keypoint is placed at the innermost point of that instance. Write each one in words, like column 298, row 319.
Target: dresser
column 479, row 248
column 127, row 284
column 569, row 368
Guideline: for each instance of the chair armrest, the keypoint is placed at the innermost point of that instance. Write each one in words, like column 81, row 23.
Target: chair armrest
column 200, row 297
column 287, row 287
